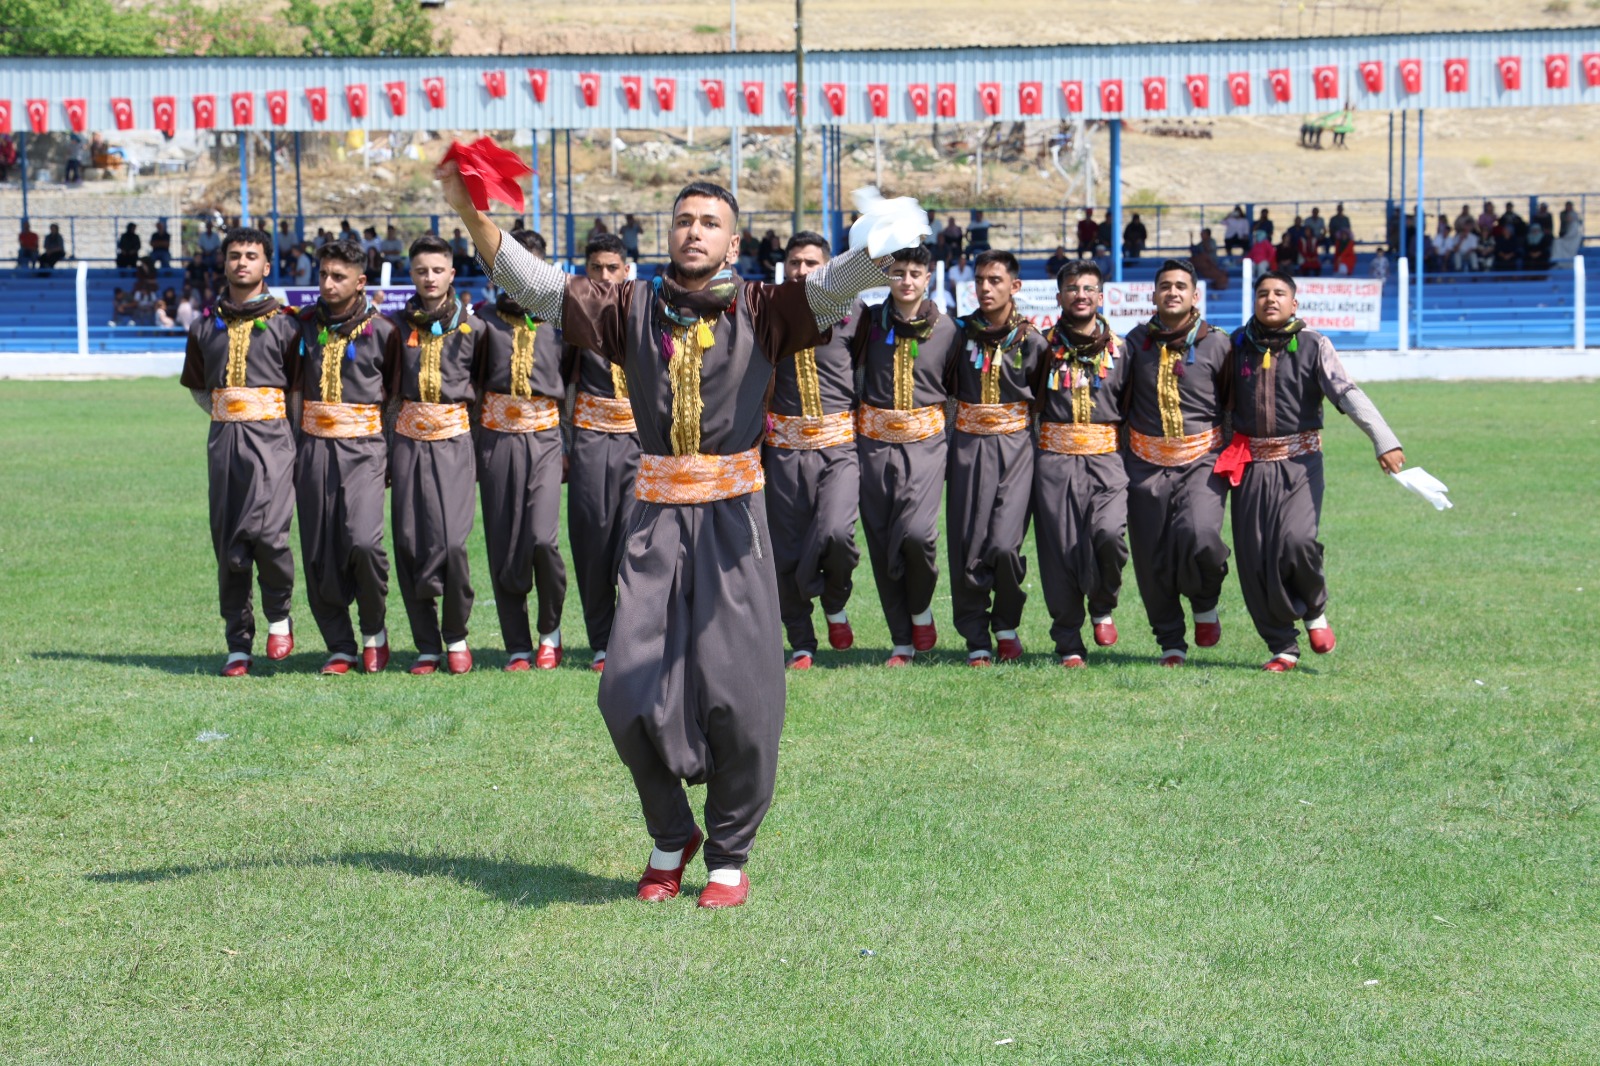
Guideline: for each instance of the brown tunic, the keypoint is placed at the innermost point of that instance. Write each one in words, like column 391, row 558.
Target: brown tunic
column 600, row 500
column 250, row 467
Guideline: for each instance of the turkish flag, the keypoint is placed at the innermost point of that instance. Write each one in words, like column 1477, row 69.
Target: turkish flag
column 122, row 112
column 433, row 89
column 396, row 91
column 1111, row 94
column 1372, row 76
column 1199, row 87
column 1556, row 71
column 494, row 82
column 244, row 109
column 589, row 86
column 919, row 99
column 165, row 109
column 989, row 97
column 666, row 90
column 833, row 94
column 633, row 91
column 1155, row 94
column 205, row 111
column 788, row 95
column 278, row 106
column 755, row 95
column 1326, row 81
column 539, row 82
column 1455, row 75
column 355, row 98
column 39, row 115
column 1511, row 72
column 878, row 100
column 77, row 114
column 1411, row 75
column 1072, row 95
column 1279, row 80
column 1239, row 88
column 1591, row 69
column 715, row 97
column 944, row 100
column 1030, row 98
column 5, row 116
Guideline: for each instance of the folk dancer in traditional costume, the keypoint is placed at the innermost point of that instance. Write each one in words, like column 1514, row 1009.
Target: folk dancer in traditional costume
column 991, row 463
column 349, row 353
column 813, row 477
column 432, row 465
column 520, row 459
column 693, row 688
column 604, row 463
column 906, row 350
column 1177, row 394
column 1281, row 373
column 1080, row 488
column 240, row 366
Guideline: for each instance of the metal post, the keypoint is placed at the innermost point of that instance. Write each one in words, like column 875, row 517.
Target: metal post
column 1580, row 304
column 83, row 307
column 572, row 250
column 733, row 153
column 534, row 198
column 826, row 225
column 555, row 192
column 1247, row 295
column 799, row 115
column 1422, row 230
column 1400, row 228
column 877, row 155
column 1116, row 199
column 299, row 209
column 22, row 158
column 244, row 182
column 272, row 153
column 938, row 280
column 1389, row 186
column 1403, row 275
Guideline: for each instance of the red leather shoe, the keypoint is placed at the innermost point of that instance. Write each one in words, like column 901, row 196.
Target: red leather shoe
column 1073, row 662
column 1172, row 662
column 1008, row 650
column 517, row 665
column 423, row 667
column 375, row 660
column 1278, row 665
column 715, row 895
column 598, row 666
column 1322, row 640
column 1105, row 634
column 336, row 666
column 980, row 660
column 547, row 658
column 841, row 637
column 458, row 662
column 280, row 647
column 923, row 638
column 1206, row 634
column 898, row 660
column 657, row 886
column 237, row 668
column 800, row 662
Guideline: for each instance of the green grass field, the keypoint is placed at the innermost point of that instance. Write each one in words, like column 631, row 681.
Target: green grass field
column 1387, row 856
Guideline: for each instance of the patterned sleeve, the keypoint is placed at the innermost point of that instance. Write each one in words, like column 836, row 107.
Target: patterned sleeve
column 531, row 281
column 832, row 289
column 1347, row 396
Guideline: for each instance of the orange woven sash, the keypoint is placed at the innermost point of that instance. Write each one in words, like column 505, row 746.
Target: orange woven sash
column 698, row 478
column 341, row 421
column 603, row 415
column 991, row 419
column 1277, row 449
column 1174, row 451
column 1077, row 438
column 811, row 434
column 432, row 421
column 519, row 414
column 899, row 427
column 236, row 403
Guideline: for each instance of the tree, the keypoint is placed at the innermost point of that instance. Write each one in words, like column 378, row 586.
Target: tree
column 74, row 28
column 365, row 28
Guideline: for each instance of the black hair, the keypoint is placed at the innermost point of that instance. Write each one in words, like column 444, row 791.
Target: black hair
column 1077, row 269
column 1178, row 264
column 245, row 235
column 606, row 242
column 996, row 255
column 532, row 240
column 917, row 253
column 429, row 244
column 807, row 239
column 1274, row 275
column 709, row 189
column 344, row 250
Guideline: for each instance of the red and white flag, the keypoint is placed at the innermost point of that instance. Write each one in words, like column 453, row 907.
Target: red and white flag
column 919, row 99
column 989, row 97
column 355, row 98
column 633, row 91
column 944, row 100
column 494, row 83
column 878, row 100
column 1239, row 88
column 1279, row 80
column 5, row 116
column 716, row 97
column 539, row 82
column 1199, row 88
column 205, row 111
column 589, row 87
column 433, row 89
column 1372, row 76
column 1155, row 94
column 1510, row 72
column 122, row 112
column 1455, row 75
column 755, row 95
column 1591, row 69
column 165, row 111
column 1557, row 71
column 278, row 106
column 1072, row 95
column 1030, row 98
column 77, row 114
column 666, row 90
column 396, row 92
column 788, row 95
column 1111, row 98
column 39, row 115
column 1326, row 81
column 244, row 109
column 833, row 94
column 1411, row 75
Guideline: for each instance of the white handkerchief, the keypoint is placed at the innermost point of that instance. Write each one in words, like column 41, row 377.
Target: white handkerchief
column 887, row 225
column 1425, row 485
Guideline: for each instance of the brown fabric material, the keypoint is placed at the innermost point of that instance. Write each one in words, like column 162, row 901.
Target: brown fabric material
column 1018, row 368
column 812, row 501
column 600, row 507
column 901, row 491
column 1107, row 402
column 1203, row 385
column 1276, row 512
column 835, row 374
column 991, row 482
column 519, row 480
column 370, row 360
column 339, row 488
column 1175, row 533
column 1080, row 513
column 494, row 370
column 431, row 490
column 932, row 371
column 460, row 362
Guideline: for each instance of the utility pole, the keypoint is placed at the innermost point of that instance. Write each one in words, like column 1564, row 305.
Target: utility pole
column 799, row 115
column 733, row 25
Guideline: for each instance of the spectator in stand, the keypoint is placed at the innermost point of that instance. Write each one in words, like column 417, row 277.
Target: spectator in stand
column 347, row 232
column 8, row 156
column 978, row 234
column 128, row 246
column 958, row 274
column 305, row 266
column 950, row 241
column 1379, row 267
column 393, row 252
column 122, row 308
column 1296, row 231
column 1537, row 245
column 1262, row 253
column 630, row 233
column 1344, row 254
column 186, row 313
column 323, row 237
column 1569, row 217
column 1570, row 242
column 162, row 319
column 1544, row 218
column 1265, row 224
column 749, row 264
column 170, row 296
column 1236, row 232
column 1507, row 249
column 1203, row 254
column 55, row 248
column 1088, row 234
column 1483, row 257
column 1053, row 265
column 1134, row 237
column 1465, row 221
column 1288, row 255
column 161, row 245
column 77, row 156
column 145, row 299
column 1487, row 219
column 771, row 253
column 596, row 230
column 195, row 274
column 208, row 242
column 1317, row 226
column 460, row 253
column 1519, row 227
column 27, row 247
column 372, row 248
column 1310, row 254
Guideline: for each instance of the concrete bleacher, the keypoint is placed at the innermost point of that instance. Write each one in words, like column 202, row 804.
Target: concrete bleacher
column 45, row 317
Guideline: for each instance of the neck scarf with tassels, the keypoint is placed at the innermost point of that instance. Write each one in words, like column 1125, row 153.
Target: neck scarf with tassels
column 691, row 319
column 239, row 320
column 1177, row 351
column 990, row 346
column 905, row 334
column 1081, row 361
column 428, row 331
column 1265, row 340
column 335, row 336
column 524, row 331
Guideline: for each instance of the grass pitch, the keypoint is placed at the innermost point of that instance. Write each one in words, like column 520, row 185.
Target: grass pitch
column 1389, row 855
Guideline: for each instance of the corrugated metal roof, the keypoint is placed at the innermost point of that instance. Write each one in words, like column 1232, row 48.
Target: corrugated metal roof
column 468, row 105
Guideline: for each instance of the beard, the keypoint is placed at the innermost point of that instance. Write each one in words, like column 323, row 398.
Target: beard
column 699, row 273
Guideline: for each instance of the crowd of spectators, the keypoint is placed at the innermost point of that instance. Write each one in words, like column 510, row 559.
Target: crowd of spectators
column 1503, row 241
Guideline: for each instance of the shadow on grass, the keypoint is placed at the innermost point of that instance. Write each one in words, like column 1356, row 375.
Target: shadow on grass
column 517, row 883
column 183, row 665
column 875, row 657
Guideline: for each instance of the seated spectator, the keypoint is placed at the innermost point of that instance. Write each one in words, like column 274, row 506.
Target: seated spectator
column 305, row 266
column 128, row 246
column 1444, row 245
column 950, row 241
column 1570, row 243
column 27, row 247
column 1134, row 237
column 1203, row 254
column 162, row 319
column 186, row 313
column 1053, row 265
column 286, row 243
column 323, row 237
column 1287, row 255
column 1507, row 249
column 209, row 244
column 8, row 155
column 145, row 299
column 1265, row 224
column 1317, row 226
column 393, row 252
column 771, row 253
column 1379, row 267
column 55, row 248
column 1088, row 234
column 461, row 253
column 1464, row 220
column 1569, row 215
column 959, row 273
column 1296, row 231
column 595, row 230
column 1487, row 218
column 1519, row 227
column 1262, row 252
column 373, row 248
column 1344, row 254
column 1483, row 257
column 1236, row 232
column 749, row 252
column 122, row 308
column 161, row 246
column 1536, row 248
column 1310, row 257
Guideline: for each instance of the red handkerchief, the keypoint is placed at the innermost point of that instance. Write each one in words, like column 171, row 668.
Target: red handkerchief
column 1233, row 459
column 491, row 172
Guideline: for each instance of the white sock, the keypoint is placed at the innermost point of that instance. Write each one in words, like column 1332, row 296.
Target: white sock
column 340, row 656
column 904, row 649
column 278, row 629
column 801, row 655
column 238, row 656
column 923, row 619
column 1288, row 657
column 1175, row 653
column 455, row 645
column 551, row 639
column 377, row 640
column 1206, row 616
column 1319, row 622
column 665, row 860
column 599, row 656
column 427, row 657
column 520, row 655
column 726, row 875
column 1101, row 619
column 979, row 654
column 1005, row 634
column 837, row 619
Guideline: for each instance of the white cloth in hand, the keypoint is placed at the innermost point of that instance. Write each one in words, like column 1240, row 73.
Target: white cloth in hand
column 887, row 225
column 1425, row 485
